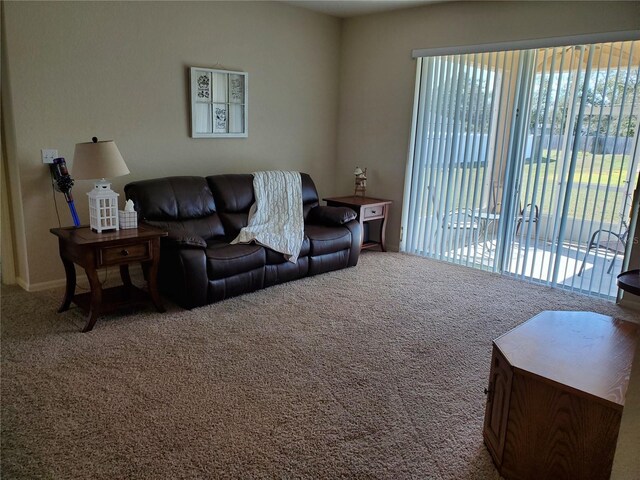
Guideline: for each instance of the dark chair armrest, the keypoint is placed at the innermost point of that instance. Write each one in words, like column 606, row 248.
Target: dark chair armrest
column 331, row 215
column 184, row 239
column 356, row 241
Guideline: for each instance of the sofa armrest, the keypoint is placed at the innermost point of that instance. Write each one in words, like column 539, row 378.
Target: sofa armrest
column 193, row 278
column 184, row 239
column 331, row 215
column 356, row 241
column 182, row 276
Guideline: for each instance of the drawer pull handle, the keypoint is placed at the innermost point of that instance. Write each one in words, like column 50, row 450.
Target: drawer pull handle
column 373, row 212
column 489, row 393
column 124, row 252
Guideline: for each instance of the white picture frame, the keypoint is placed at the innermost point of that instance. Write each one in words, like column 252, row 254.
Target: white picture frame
column 218, row 103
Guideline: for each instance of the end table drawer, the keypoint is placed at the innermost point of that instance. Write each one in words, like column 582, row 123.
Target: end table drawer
column 373, row 212
column 124, row 254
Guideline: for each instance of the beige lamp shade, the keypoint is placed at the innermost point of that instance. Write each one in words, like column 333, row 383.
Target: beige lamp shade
column 96, row 159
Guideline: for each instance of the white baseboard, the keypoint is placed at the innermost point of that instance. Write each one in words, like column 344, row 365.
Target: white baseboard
column 393, row 247
column 38, row 287
column 81, row 280
column 21, row 283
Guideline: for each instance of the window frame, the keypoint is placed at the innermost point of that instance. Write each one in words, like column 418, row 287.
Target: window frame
column 212, row 133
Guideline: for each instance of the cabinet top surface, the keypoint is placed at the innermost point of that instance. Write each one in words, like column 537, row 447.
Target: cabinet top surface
column 85, row 236
column 357, row 200
column 586, row 351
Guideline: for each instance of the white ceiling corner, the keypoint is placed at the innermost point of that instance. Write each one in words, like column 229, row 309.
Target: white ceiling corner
column 353, row 8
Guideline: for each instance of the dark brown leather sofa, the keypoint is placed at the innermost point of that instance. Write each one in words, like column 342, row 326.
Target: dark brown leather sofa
column 199, row 266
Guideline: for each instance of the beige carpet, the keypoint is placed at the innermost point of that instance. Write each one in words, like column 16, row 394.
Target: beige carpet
column 371, row 372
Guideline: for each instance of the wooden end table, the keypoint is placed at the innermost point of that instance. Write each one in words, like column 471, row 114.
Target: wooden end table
column 367, row 209
column 556, row 394
column 92, row 250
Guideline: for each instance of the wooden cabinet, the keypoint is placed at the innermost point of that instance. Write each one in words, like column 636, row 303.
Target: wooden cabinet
column 555, row 396
column 497, row 411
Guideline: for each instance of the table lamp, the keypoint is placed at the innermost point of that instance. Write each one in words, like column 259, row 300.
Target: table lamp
column 100, row 160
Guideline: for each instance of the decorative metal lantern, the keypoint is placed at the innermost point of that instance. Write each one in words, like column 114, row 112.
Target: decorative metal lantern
column 103, row 207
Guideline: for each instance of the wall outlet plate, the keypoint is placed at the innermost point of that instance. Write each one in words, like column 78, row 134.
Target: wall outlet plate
column 48, row 154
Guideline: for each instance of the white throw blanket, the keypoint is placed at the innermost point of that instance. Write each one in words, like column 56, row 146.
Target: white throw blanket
column 276, row 219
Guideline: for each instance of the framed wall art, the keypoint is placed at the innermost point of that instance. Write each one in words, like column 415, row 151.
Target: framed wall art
column 218, row 103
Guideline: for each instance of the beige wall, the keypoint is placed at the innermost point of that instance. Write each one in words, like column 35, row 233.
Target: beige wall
column 377, row 76
column 118, row 70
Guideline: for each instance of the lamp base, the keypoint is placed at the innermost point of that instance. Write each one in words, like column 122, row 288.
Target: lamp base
column 103, row 230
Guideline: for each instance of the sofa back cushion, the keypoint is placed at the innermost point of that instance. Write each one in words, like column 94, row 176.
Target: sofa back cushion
column 177, row 202
column 234, row 196
column 309, row 194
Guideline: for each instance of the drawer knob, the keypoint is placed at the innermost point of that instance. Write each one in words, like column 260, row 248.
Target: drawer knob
column 489, row 393
column 124, row 252
column 374, row 212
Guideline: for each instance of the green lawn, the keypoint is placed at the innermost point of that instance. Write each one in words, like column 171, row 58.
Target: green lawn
column 595, row 169
column 592, row 175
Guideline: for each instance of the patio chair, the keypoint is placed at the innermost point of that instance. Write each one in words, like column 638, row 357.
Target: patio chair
column 462, row 220
column 612, row 242
column 489, row 217
column 527, row 215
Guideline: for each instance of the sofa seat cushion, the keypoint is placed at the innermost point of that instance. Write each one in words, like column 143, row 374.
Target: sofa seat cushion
column 324, row 239
column 225, row 260
column 276, row 258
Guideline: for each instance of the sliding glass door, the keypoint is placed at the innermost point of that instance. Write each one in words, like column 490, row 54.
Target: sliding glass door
column 524, row 162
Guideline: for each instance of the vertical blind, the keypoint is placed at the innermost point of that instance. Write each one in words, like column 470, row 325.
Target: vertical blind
column 524, row 162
